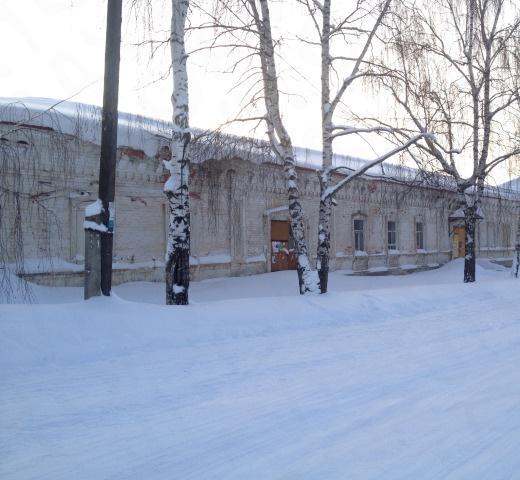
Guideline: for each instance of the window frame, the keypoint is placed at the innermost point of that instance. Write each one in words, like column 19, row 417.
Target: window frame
column 419, row 234
column 359, row 235
column 391, row 232
column 506, row 235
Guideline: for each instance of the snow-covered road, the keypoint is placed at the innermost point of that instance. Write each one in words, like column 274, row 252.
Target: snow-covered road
column 400, row 381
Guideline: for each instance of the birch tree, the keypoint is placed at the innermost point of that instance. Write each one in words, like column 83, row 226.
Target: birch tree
column 245, row 26
column 281, row 141
column 248, row 26
column 452, row 69
column 176, row 187
column 353, row 32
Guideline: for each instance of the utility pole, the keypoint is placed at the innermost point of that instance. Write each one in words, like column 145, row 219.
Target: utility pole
column 99, row 225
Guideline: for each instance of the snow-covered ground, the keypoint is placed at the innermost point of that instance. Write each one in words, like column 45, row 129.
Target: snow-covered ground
column 410, row 377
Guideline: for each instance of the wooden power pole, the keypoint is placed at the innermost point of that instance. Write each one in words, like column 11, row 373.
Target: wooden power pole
column 100, row 227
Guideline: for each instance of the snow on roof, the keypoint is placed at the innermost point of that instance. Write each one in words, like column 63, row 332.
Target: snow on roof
column 84, row 121
column 144, row 133
column 512, row 184
column 311, row 158
column 135, row 131
column 149, row 135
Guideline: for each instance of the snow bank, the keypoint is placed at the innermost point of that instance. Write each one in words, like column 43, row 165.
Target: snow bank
column 393, row 383
column 88, row 333
column 415, row 379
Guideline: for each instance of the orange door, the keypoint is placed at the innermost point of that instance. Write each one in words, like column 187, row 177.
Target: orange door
column 458, row 245
column 282, row 251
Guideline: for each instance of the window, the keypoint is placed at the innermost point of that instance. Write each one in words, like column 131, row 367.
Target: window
column 391, row 236
column 491, row 235
column 419, row 236
column 506, row 235
column 359, row 235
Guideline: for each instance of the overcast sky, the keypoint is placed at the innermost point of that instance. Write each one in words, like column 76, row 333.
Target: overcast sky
column 55, row 49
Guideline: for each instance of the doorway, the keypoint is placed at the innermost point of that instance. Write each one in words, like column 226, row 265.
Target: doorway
column 283, row 256
column 458, row 246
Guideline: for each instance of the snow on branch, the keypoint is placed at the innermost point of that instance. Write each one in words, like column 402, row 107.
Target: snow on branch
column 318, row 5
column 359, row 61
column 328, row 192
column 346, row 130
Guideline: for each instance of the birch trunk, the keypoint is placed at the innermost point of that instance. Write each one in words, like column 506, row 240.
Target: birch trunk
column 324, row 241
column 307, row 277
column 469, row 231
column 325, row 211
column 469, row 241
column 176, row 187
column 323, row 249
column 516, row 257
column 282, row 145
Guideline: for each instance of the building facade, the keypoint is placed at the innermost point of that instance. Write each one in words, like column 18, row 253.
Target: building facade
column 239, row 214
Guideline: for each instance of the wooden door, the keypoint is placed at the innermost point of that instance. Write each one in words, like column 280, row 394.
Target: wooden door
column 282, row 249
column 458, row 242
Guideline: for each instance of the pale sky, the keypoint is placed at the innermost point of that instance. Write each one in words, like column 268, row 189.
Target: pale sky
column 55, row 49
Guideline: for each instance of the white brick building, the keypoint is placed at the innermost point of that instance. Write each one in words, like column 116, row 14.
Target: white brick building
column 238, row 205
